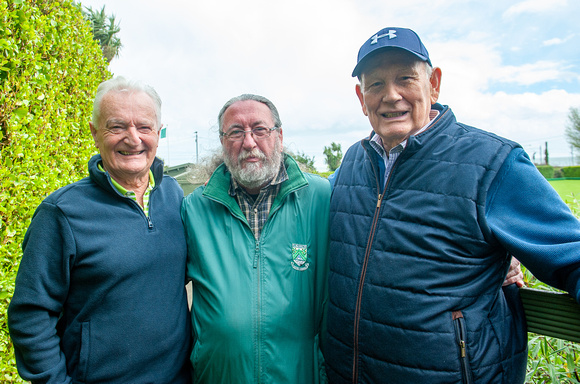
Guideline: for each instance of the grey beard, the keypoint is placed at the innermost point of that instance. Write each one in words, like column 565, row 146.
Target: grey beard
column 255, row 175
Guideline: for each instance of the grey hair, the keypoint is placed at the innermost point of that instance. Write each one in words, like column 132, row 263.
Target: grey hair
column 121, row 84
column 245, row 97
column 428, row 69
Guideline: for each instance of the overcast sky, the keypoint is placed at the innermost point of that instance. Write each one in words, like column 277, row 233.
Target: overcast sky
column 510, row 67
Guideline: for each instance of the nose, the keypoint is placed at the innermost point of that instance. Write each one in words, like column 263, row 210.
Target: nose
column 132, row 136
column 391, row 94
column 249, row 142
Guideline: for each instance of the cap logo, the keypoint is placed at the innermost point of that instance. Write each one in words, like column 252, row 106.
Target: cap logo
column 391, row 35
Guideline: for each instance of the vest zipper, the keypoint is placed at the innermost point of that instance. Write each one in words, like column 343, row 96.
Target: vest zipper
column 461, row 339
column 364, row 266
column 361, row 286
column 364, row 271
column 367, row 254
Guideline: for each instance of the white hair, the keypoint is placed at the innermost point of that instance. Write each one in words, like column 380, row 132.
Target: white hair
column 121, row 84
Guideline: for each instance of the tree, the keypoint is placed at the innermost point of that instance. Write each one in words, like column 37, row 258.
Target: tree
column 333, row 156
column 104, row 31
column 304, row 159
column 573, row 128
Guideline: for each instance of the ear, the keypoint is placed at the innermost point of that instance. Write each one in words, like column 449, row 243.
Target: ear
column 280, row 135
column 94, row 133
column 435, row 84
column 361, row 98
column 158, row 137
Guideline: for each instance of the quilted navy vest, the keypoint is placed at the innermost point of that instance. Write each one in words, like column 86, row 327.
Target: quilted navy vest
column 415, row 272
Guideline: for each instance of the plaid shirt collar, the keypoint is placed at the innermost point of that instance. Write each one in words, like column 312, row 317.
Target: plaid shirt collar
column 257, row 210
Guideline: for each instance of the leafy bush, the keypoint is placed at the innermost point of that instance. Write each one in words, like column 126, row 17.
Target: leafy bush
column 573, row 171
column 546, row 170
column 50, row 67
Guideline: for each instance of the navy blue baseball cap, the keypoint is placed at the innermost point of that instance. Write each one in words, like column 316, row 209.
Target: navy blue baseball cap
column 392, row 37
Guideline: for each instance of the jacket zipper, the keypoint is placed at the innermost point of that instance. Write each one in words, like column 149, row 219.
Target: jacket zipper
column 139, row 208
column 259, row 313
column 461, row 338
column 363, row 273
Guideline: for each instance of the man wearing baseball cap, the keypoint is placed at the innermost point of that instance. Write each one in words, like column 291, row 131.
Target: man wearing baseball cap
column 425, row 215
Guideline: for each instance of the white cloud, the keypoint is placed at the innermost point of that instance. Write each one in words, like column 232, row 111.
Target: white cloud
column 533, row 73
column 534, row 6
column 556, row 41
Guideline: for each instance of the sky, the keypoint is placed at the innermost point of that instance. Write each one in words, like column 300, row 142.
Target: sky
column 509, row 67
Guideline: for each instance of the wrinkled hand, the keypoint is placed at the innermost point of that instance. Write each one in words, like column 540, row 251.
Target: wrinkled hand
column 515, row 274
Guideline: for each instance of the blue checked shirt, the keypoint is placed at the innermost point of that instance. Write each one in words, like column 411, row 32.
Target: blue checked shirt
column 391, row 157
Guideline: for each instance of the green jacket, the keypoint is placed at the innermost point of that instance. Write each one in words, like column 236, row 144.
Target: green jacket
column 258, row 306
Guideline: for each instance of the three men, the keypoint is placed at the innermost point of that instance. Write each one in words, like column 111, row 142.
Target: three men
column 100, row 293
column 257, row 238
column 425, row 215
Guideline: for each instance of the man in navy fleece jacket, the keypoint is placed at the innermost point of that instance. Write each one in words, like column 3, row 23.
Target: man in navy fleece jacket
column 100, row 293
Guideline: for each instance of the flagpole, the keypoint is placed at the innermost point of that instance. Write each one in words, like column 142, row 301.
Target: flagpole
column 164, row 136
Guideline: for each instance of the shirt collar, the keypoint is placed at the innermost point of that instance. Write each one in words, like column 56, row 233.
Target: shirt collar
column 122, row 190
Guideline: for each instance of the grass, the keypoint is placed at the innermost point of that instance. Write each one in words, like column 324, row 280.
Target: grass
column 566, row 188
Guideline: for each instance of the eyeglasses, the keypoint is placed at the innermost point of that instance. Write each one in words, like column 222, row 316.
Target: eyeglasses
column 257, row 133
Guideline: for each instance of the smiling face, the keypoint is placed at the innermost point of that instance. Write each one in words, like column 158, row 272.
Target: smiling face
column 127, row 136
column 252, row 162
column 396, row 93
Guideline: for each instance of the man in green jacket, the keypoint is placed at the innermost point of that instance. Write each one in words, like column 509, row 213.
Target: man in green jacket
column 257, row 237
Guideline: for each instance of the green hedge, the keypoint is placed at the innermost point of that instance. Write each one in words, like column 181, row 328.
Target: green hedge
column 50, row 67
column 573, row 171
column 546, row 170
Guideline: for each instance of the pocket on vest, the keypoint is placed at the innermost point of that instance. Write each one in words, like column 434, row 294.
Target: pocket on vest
column 461, row 341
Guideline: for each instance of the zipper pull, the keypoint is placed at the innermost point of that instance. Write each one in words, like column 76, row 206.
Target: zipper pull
column 380, row 200
column 256, row 254
column 457, row 316
column 462, row 347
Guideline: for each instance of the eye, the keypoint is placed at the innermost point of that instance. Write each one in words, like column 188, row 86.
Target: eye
column 116, row 129
column 145, row 129
column 409, row 77
column 260, row 131
column 373, row 86
column 235, row 134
